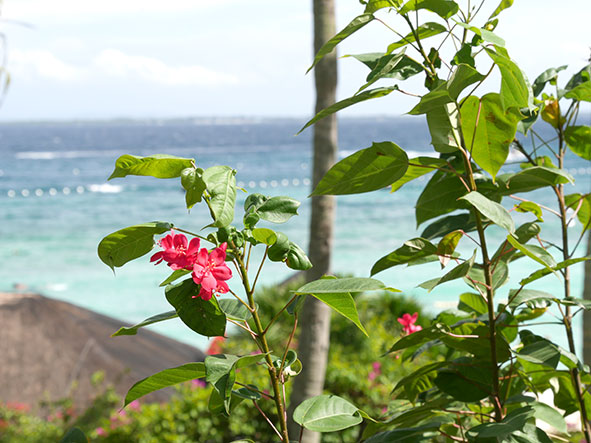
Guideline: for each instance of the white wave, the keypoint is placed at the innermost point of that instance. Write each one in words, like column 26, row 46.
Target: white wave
column 57, row 287
column 51, row 155
column 105, row 188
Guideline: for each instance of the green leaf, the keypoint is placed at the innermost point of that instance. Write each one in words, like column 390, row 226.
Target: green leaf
column 443, row 8
column 549, row 415
column 234, row 309
column 340, row 285
column 278, row 209
column 578, row 139
column 432, row 100
column 130, row 243
column 383, row 68
column 265, row 236
column 491, row 210
column 221, row 185
column 514, row 422
column 581, row 92
column 503, row 5
column 419, row 381
column 175, row 276
column 526, row 296
column 463, row 76
column 193, row 185
column 460, row 387
column 440, row 196
column 489, row 130
column 549, row 75
column 500, row 276
column 375, row 5
column 418, row 338
column 582, row 203
column 472, row 303
column 297, row 258
column 447, row 246
column 365, row 95
column 532, row 207
column 541, row 352
column 532, row 178
column 418, row 167
column 514, row 88
column 444, row 128
column 203, row 317
column 355, row 25
column 411, row 250
column 459, row 271
column 132, row 330
column 404, row 69
column 159, row 166
column 424, row 31
column 74, row 435
column 464, row 55
column 220, row 371
column 326, row 413
column 445, row 225
column 545, row 271
column 485, row 34
column 280, row 248
column 163, row 379
column 366, row 170
column 539, row 255
column 344, row 304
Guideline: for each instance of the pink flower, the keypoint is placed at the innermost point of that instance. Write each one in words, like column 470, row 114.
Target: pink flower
column 198, row 383
column 135, row 405
column 100, row 431
column 178, row 253
column 215, row 346
column 408, row 323
column 211, row 272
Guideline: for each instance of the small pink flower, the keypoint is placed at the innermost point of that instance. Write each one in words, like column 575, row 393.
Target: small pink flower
column 408, row 323
column 134, row 405
column 100, row 431
column 376, row 366
column 198, row 383
column 178, row 253
column 215, row 346
column 211, row 272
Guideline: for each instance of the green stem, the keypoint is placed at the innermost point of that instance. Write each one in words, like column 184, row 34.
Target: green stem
column 273, row 374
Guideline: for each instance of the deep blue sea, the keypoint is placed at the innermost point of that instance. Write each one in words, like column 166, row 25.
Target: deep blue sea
column 56, row 205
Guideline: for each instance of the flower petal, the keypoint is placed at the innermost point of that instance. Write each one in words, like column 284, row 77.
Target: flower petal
column 217, row 256
column 203, row 258
column 222, row 272
column 180, row 241
column 193, row 248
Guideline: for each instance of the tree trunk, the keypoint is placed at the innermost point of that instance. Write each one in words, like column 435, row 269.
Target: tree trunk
column 315, row 315
column 587, row 314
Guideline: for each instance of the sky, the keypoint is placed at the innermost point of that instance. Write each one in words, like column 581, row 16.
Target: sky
column 82, row 59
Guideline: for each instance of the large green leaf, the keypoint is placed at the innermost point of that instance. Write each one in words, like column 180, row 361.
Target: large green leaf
column 463, row 76
column 383, row 68
column 221, row 185
column 443, row 8
column 424, row 31
column 220, row 371
column 365, row 95
column 445, row 225
column 234, row 309
column 203, row 317
column 539, row 255
column 159, row 166
column 582, row 204
column 433, row 332
column 503, row 5
column 491, row 210
column 444, row 127
column 581, row 92
column 484, row 34
column 541, row 352
column 193, row 184
column 578, row 139
column 545, row 77
column 175, row 276
column 432, row 100
column 545, row 271
column 367, row 170
column 130, row 243
column 356, row 24
column 163, row 379
column 344, row 304
column 419, row 381
column 411, row 250
column 418, row 167
column 460, row 386
column 375, row 5
column 278, row 209
column 532, row 178
column 514, row 87
column 526, row 296
column 405, row 68
column 132, row 330
column 297, row 258
column 513, row 423
column 440, row 196
column 459, row 271
column 489, row 130
column 447, row 246
column 340, row 285
column 326, row 413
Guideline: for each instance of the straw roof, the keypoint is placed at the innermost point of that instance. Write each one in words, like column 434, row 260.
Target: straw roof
column 47, row 346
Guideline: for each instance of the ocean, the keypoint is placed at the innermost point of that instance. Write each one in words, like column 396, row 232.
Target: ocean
column 56, row 205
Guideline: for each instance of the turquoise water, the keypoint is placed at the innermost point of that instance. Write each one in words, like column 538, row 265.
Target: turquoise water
column 55, row 207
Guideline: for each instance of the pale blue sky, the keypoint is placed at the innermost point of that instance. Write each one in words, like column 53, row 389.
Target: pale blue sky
column 82, row 59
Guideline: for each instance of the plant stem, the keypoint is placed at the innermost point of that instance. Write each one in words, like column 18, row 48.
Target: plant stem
column 278, row 398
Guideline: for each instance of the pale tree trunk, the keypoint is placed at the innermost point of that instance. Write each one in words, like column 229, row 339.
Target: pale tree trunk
column 315, row 315
column 587, row 314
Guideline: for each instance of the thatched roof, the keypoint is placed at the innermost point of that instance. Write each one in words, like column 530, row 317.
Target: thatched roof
column 48, row 345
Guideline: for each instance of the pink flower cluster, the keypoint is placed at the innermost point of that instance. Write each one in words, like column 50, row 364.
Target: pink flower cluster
column 209, row 268
column 408, row 323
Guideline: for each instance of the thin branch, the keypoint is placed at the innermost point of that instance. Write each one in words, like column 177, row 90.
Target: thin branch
column 260, row 267
column 276, row 316
column 268, row 421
